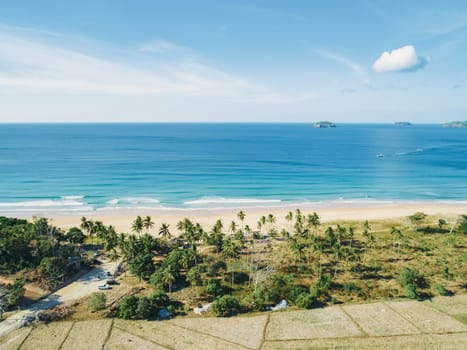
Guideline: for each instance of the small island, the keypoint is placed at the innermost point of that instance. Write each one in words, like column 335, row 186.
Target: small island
column 456, row 124
column 403, row 123
column 324, row 124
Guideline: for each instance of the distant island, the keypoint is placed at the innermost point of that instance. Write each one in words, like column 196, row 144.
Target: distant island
column 456, row 124
column 403, row 123
column 325, row 124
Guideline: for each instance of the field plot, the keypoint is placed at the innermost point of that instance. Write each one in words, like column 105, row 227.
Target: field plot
column 420, row 342
column 175, row 337
column 320, row 323
column 14, row 340
column 47, row 337
column 455, row 306
column 451, row 341
column 88, row 335
column 378, row 319
column 248, row 332
column 427, row 319
column 120, row 340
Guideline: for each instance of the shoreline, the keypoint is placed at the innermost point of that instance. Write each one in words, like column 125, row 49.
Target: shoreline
column 328, row 211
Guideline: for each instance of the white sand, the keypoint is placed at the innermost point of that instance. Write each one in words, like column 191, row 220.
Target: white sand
column 358, row 211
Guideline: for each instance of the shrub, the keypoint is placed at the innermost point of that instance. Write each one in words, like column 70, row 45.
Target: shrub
column 97, row 302
column 295, row 291
column 324, row 281
column 410, row 291
column 226, row 305
column 439, row 288
column 194, row 276
column 407, row 276
column 127, row 308
column 213, row 287
column 304, row 300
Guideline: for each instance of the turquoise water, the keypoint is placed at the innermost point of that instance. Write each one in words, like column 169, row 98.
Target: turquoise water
column 84, row 167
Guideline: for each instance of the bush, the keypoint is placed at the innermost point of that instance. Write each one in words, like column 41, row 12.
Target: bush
column 141, row 308
column 439, row 288
column 213, row 287
column 226, row 305
column 194, row 276
column 127, row 308
column 407, row 276
column 324, row 281
column 97, row 302
column 410, row 291
column 305, row 301
column 295, row 291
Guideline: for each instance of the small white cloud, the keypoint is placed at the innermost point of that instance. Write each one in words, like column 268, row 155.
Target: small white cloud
column 404, row 59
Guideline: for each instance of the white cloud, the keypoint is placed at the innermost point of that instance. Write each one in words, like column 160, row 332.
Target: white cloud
column 398, row 60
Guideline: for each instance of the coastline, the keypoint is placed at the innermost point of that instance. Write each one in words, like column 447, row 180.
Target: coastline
column 328, row 212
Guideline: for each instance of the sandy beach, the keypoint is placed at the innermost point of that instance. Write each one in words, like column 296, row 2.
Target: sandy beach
column 328, row 212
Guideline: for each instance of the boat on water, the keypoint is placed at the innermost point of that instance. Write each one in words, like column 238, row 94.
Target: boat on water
column 380, row 155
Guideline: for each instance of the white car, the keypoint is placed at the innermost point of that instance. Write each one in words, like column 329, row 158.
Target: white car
column 104, row 287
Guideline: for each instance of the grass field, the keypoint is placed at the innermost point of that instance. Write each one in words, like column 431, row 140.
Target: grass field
column 383, row 325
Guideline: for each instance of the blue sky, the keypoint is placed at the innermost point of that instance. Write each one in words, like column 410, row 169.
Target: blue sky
column 233, row 61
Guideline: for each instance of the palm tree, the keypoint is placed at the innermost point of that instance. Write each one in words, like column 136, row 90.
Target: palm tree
column 396, row 235
column 137, row 225
column 314, row 221
column 168, row 278
column 164, row 231
column 241, row 216
column 350, row 235
column 341, row 234
column 231, row 251
column 289, row 218
column 148, row 223
column 298, row 250
column 271, row 219
column 233, row 226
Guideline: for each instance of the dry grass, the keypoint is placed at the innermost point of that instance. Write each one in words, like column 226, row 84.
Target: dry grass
column 421, row 342
column 46, row 337
column 378, row 319
column 174, row 337
column 121, row 340
column 13, row 340
column 392, row 325
column 427, row 319
column 248, row 332
column 88, row 335
column 320, row 323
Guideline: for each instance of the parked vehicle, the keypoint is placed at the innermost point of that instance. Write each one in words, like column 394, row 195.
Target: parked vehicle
column 104, row 287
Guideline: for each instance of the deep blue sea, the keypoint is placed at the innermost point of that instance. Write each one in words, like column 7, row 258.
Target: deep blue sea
column 81, row 167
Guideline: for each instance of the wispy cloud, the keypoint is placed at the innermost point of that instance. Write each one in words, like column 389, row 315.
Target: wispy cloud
column 357, row 69
column 163, row 46
column 39, row 65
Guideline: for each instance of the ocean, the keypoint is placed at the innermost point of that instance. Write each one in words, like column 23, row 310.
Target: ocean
column 93, row 167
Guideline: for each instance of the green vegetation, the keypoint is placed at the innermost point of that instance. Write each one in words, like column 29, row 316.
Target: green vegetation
column 10, row 294
column 239, row 269
column 97, row 302
column 39, row 248
column 138, row 308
